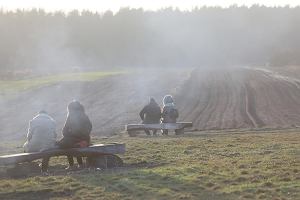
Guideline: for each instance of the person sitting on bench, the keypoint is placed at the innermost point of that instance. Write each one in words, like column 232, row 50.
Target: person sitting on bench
column 41, row 133
column 41, row 136
column 76, row 131
column 169, row 112
column 151, row 114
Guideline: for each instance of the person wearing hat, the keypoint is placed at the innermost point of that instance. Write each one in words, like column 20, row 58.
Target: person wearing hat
column 151, row 114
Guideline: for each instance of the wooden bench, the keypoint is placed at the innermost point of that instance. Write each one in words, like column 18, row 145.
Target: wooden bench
column 99, row 155
column 178, row 127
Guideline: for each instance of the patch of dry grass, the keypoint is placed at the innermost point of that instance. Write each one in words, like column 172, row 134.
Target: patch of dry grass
column 193, row 166
column 16, row 86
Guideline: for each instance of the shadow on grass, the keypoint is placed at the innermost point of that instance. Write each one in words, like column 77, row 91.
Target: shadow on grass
column 38, row 195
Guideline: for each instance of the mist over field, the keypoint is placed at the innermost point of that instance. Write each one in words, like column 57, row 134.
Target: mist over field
column 233, row 73
column 207, row 58
column 35, row 40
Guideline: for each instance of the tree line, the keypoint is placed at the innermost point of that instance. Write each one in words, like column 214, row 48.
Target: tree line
column 206, row 36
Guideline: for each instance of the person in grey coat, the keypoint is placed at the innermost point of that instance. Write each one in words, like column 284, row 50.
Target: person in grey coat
column 41, row 133
column 169, row 112
column 41, row 136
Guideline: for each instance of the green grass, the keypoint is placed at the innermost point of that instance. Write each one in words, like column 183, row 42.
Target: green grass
column 15, row 86
column 194, row 166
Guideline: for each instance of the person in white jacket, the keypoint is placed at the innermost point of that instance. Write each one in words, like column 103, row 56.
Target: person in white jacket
column 41, row 133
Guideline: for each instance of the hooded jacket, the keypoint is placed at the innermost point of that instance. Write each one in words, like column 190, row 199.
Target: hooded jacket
column 151, row 113
column 169, row 112
column 41, row 133
column 78, row 125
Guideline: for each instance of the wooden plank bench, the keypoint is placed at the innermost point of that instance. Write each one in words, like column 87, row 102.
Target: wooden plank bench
column 99, row 155
column 178, row 127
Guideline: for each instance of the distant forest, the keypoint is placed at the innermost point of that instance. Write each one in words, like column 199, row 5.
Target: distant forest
column 207, row 36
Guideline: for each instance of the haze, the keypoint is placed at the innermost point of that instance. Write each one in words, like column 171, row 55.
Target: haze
column 103, row 5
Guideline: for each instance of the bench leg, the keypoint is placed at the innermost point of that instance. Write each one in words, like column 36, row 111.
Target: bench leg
column 131, row 133
column 105, row 161
column 147, row 132
column 179, row 131
column 154, row 132
column 45, row 164
column 165, row 132
column 70, row 160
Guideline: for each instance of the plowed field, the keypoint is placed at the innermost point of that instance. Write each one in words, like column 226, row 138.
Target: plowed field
column 215, row 98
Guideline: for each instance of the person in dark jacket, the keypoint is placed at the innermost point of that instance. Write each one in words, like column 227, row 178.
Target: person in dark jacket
column 76, row 131
column 169, row 112
column 151, row 114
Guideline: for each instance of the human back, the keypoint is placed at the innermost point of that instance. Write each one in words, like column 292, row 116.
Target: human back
column 76, row 131
column 41, row 133
column 169, row 112
column 151, row 113
column 77, row 127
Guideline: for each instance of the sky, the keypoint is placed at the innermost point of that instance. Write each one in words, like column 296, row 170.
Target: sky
column 115, row 5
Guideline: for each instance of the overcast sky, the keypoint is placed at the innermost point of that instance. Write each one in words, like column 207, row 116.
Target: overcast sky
column 115, row 5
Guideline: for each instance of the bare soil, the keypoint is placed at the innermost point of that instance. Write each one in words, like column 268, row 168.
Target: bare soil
column 110, row 102
column 240, row 98
column 216, row 98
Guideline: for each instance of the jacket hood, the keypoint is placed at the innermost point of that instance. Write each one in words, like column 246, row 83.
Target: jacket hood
column 43, row 115
column 168, row 99
column 152, row 101
column 75, row 106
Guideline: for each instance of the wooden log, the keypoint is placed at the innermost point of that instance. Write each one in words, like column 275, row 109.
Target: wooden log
column 132, row 133
column 170, row 126
column 105, row 161
column 95, row 150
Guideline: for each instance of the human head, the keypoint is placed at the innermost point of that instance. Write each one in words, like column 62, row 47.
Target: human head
column 168, row 99
column 42, row 112
column 75, row 106
column 152, row 100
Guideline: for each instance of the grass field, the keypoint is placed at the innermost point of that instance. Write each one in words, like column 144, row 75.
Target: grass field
column 15, row 86
column 262, row 165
